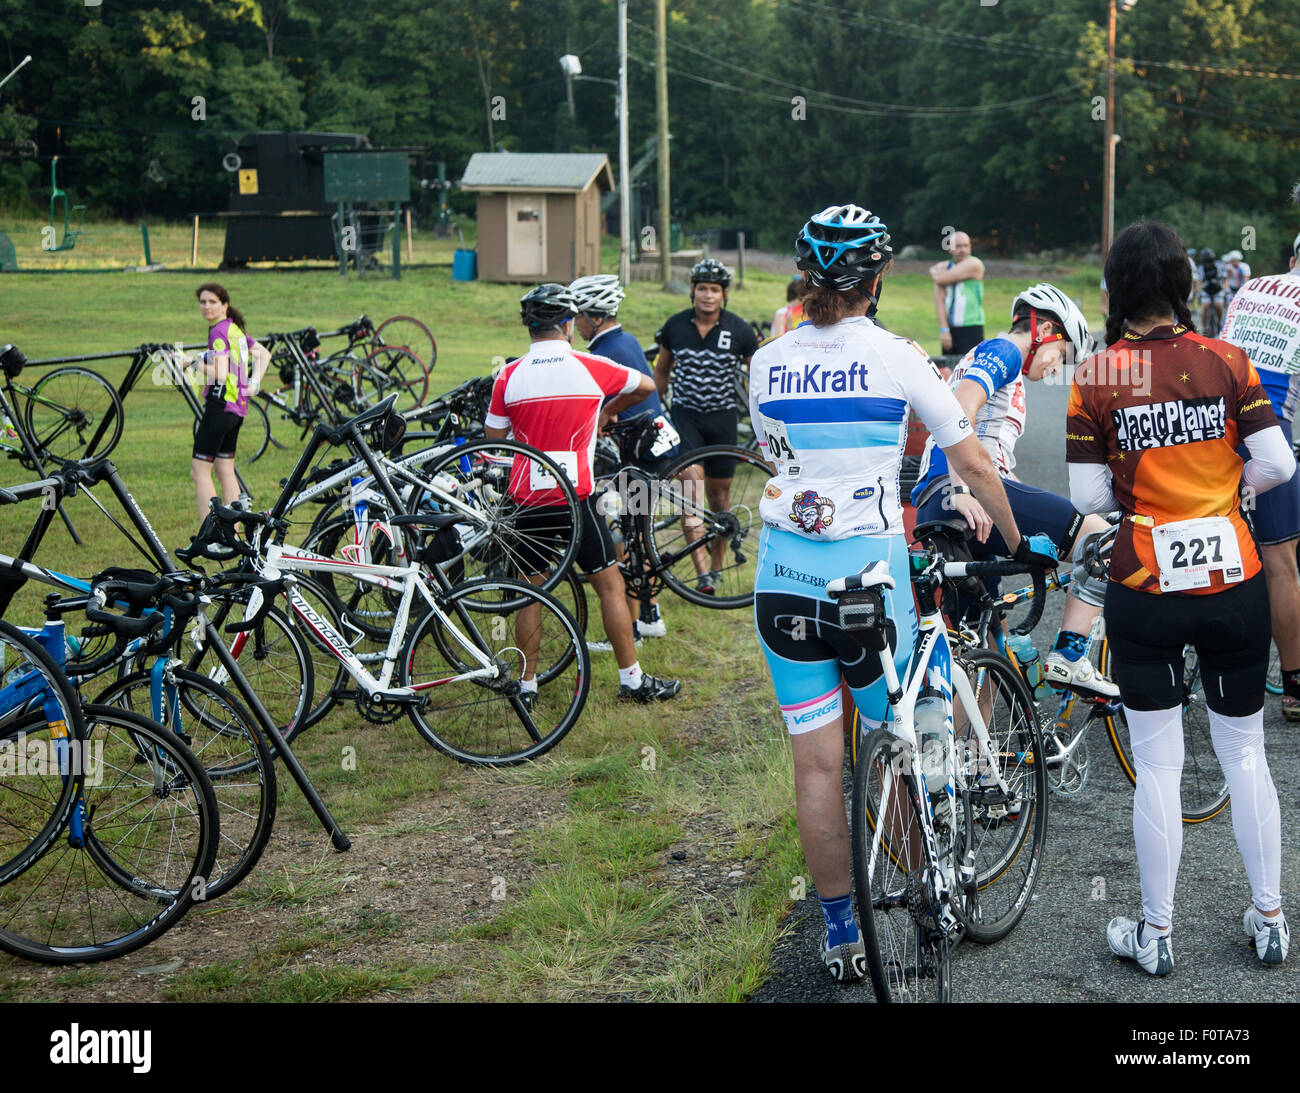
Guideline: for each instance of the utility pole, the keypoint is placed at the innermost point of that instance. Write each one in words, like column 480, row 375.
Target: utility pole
column 661, row 110
column 624, row 159
column 1108, row 179
column 568, row 77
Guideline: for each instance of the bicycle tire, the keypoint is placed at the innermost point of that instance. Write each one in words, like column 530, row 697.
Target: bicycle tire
column 737, row 530
column 116, row 892
column 83, row 401
column 409, row 332
column 908, row 959
column 224, row 738
column 34, row 802
column 495, row 729
column 1006, row 842
column 1273, row 681
column 478, row 475
column 1203, row 796
column 260, row 429
column 402, row 372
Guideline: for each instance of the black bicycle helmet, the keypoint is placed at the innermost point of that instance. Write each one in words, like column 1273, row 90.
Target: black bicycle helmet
column 712, row 271
column 1207, row 255
column 547, row 306
column 842, row 246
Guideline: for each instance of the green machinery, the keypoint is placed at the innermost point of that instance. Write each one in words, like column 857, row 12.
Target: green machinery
column 370, row 177
column 70, row 234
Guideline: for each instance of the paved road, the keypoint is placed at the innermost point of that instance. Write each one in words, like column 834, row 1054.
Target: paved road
column 1058, row 953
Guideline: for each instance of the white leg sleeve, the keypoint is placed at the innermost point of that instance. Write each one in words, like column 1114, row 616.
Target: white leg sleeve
column 1157, row 737
column 1239, row 744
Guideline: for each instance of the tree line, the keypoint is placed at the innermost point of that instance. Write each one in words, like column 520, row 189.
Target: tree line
column 945, row 112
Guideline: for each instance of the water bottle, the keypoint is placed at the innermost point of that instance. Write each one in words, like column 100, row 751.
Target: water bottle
column 1027, row 656
column 355, row 500
column 7, row 426
column 931, row 720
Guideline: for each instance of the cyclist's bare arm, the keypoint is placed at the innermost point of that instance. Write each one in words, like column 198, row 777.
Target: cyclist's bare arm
column 663, row 369
column 969, row 459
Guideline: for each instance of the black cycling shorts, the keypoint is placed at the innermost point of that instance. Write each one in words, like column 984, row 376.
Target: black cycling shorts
column 544, row 528
column 1230, row 631
column 217, row 434
column 699, row 430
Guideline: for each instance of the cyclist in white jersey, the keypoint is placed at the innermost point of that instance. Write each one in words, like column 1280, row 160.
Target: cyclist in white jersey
column 830, row 403
column 1264, row 320
column 989, row 382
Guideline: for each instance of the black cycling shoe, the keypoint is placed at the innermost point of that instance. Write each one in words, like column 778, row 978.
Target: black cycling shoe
column 651, row 690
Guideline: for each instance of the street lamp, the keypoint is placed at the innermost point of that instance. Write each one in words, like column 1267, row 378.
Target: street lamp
column 571, row 66
column 1111, row 139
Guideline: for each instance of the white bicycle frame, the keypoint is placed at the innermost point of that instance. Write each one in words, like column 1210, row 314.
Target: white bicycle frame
column 286, row 560
column 925, row 667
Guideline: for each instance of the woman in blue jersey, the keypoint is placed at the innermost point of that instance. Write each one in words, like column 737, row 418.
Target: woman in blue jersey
column 830, row 403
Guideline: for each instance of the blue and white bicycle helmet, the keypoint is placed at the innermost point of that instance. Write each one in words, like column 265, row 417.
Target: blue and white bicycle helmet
column 843, row 246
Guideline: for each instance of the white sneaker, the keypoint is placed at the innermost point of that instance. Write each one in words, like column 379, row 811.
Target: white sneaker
column 655, row 629
column 605, row 646
column 1271, row 936
column 1155, row 956
column 1078, row 675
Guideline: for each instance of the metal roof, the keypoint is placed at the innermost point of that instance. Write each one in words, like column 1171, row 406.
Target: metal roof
column 536, row 171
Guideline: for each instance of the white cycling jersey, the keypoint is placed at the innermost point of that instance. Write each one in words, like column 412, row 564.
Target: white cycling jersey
column 830, row 408
column 997, row 366
column 1264, row 320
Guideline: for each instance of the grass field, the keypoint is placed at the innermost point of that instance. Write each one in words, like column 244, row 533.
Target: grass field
column 652, row 855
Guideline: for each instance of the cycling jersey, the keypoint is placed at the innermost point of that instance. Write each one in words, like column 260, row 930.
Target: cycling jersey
column 996, row 365
column 830, row 407
column 231, row 345
column 622, row 348
column 551, row 398
column 1264, row 320
column 704, row 369
column 963, row 301
column 1166, row 419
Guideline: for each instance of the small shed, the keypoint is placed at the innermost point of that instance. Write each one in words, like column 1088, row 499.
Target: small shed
column 538, row 213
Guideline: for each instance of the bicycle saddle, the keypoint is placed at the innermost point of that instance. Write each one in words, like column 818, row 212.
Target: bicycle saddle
column 875, row 575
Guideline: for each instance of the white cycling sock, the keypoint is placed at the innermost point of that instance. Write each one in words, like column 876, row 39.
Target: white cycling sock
column 631, row 677
column 1256, row 822
column 1157, row 738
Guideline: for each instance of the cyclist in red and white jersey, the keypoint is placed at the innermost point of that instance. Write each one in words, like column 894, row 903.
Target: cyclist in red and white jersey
column 552, row 398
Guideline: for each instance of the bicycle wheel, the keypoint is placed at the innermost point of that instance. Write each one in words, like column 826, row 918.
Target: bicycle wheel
column 1273, row 683
column 686, row 536
column 255, row 433
column 135, row 853
column 395, row 369
column 909, row 955
column 1204, row 789
column 485, row 722
column 66, row 408
column 1008, row 825
column 411, row 333
column 273, row 657
column 223, row 736
column 39, row 714
column 504, row 533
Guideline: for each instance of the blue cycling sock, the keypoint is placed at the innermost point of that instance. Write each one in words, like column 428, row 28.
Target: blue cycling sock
column 1071, row 645
column 841, row 927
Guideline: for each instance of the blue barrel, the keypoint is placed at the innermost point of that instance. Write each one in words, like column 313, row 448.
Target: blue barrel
column 464, row 265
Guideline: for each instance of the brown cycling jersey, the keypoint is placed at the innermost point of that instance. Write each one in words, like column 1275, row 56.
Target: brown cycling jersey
column 1165, row 411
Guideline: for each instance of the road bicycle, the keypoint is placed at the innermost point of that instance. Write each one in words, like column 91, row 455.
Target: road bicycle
column 673, row 533
column 949, row 806
column 462, row 688
column 110, row 823
column 1067, row 717
column 69, row 413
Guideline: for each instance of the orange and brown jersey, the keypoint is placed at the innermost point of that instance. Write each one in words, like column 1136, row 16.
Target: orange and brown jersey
column 1165, row 412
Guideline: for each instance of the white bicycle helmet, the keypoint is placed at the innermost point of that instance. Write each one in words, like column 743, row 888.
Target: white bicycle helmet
column 598, row 294
column 1045, row 299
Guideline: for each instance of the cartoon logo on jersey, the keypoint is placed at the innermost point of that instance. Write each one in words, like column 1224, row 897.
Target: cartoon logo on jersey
column 863, row 493
column 811, row 511
column 771, row 493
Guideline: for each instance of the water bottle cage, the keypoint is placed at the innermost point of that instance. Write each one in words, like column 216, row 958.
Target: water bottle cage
column 863, row 617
